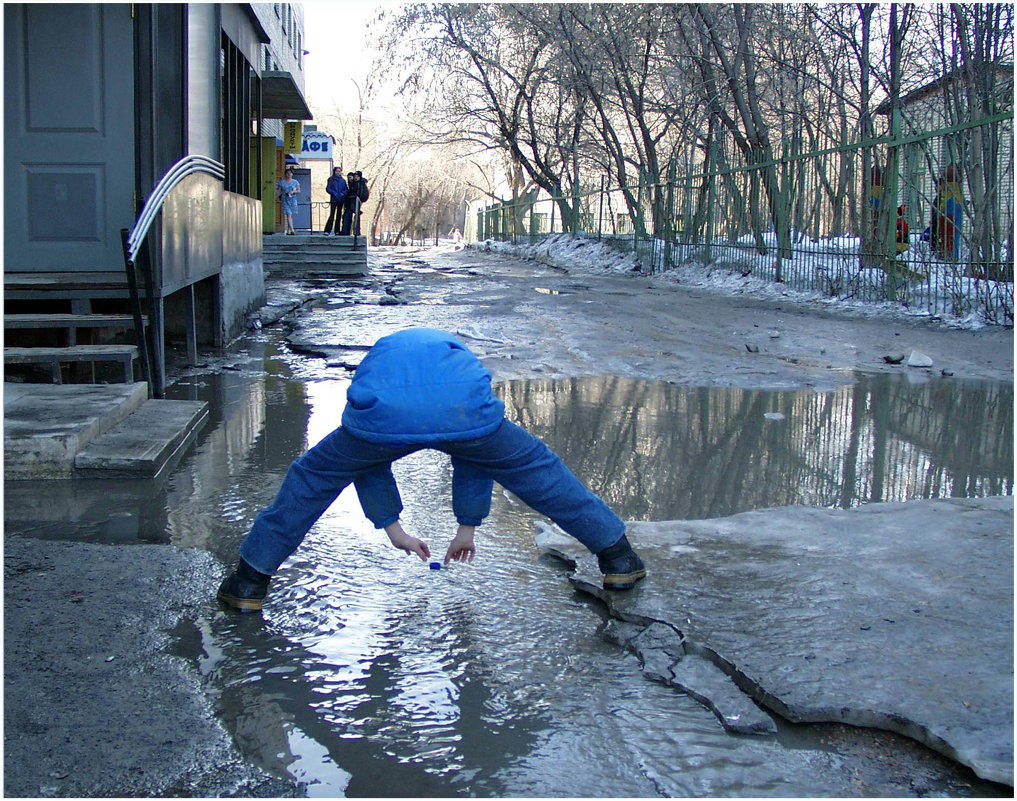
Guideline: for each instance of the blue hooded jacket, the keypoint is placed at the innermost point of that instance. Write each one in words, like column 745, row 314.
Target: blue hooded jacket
column 418, row 387
column 336, row 187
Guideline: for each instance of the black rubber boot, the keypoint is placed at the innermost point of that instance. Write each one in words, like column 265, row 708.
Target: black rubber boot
column 244, row 589
column 621, row 566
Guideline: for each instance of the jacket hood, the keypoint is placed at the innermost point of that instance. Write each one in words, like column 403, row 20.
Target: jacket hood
column 421, row 386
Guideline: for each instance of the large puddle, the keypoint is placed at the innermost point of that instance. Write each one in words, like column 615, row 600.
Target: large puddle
column 659, row 451
column 369, row 674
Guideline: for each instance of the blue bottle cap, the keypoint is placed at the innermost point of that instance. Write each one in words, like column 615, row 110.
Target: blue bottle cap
column 435, row 565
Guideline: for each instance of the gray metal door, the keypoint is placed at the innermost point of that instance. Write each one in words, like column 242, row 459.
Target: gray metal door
column 68, row 135
column 302, row 219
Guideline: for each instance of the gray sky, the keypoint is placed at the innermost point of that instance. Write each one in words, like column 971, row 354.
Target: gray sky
column 340, row 51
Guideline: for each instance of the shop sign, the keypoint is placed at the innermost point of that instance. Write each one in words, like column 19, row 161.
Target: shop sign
column 316, row 145
column 292, row 137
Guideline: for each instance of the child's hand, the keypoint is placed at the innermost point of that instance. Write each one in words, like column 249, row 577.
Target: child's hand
column 461, row 549
column 404, row 542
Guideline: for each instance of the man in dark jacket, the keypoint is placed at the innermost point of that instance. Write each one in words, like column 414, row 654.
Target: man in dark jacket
column 416, row 389
column 336, row 188
column 356, row 196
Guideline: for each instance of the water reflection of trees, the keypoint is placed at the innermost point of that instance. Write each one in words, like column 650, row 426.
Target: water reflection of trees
column 659, row 451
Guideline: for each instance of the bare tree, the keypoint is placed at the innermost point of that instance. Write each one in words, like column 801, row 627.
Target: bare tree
column 485, row 77
column 617, row 55
column 984, row 43
column 722, row 39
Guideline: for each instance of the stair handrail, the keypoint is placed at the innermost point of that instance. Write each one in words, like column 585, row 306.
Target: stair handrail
column 188, row 165
column 133, row 239
column 355, row 226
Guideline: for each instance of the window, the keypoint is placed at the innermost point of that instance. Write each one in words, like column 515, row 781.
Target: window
column 237, row 78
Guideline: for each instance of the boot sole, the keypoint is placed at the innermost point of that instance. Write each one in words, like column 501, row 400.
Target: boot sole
column 622, row 581
column 243, row 604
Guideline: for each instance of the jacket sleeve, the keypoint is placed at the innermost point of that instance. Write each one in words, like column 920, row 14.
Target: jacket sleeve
column 341, row 189
column 379, row 496
column 471, row 493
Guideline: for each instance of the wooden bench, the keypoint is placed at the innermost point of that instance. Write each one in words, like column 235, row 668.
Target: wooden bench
column 71, row 322
column 125, row 354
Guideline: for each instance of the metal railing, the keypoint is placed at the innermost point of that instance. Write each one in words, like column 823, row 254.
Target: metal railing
column 132, row 240
column 320, row 210
column 925, row 221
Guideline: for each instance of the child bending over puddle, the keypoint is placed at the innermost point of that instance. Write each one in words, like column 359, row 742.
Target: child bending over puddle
column 417, row 389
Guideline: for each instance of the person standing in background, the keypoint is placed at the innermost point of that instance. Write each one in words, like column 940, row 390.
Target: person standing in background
column 336, row 188
column 288, row 189
column 356, row 195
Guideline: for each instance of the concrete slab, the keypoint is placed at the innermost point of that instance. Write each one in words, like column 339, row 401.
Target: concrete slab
column 146, row 442
column 664, row 658
column 45, row 425
column 314, row 255
column 894, row 616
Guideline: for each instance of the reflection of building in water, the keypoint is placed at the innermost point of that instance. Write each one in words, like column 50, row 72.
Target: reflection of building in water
column 659, row 451
column 215, row 465
column 187, row 506
column 110, row 511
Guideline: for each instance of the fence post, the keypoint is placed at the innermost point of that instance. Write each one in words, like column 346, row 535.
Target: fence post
column 687, row 231
column 781, row 212
column 639, row 214
column 672, row 176
column 710, row 175
column 576, row 216
column 888, row 208
column 600, row 210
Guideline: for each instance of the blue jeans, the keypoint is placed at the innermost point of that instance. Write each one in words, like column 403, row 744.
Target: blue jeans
column 513, row 457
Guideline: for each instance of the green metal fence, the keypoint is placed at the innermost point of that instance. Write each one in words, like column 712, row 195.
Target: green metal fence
column 925, row 220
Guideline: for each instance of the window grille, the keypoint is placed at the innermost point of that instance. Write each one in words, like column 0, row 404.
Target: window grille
column 238, row 84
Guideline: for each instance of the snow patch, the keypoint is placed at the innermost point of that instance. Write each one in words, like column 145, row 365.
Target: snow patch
column 739, row 270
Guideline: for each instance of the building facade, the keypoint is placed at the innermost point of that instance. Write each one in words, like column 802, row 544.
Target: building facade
column 101, row 99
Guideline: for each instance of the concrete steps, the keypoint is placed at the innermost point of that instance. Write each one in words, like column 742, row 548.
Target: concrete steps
column 145, row 443
column 314, row 255
column 62, row 431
